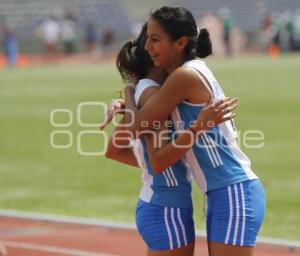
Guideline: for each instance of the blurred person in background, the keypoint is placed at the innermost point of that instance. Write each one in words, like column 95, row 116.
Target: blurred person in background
column 49, row 31
column 11, row 48
column 215, row 28
column 107, row 37
column 68, row 32
column 107, row 40
column 227, row 20
column 286, row 31
column 271, row 28
column 91, row 37
column 267, row 27
column 295, row 27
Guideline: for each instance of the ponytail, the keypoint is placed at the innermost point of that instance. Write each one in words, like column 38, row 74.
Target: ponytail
column 133, row 61
column 178, row 22
column 126, row 62
column 204, row 46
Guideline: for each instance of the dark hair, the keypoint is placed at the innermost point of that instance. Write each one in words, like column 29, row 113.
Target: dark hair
column 133, row 61
column 178, row 22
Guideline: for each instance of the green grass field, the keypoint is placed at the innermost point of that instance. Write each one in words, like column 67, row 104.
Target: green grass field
column 36, row 177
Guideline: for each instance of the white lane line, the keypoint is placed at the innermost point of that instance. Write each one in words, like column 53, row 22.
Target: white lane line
column 53, row 249
column 51, row 233
column 11, row 213
column 66, row 219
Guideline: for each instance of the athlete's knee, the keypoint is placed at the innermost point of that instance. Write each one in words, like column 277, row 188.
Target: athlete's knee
column 187, row 250
column 220, row 249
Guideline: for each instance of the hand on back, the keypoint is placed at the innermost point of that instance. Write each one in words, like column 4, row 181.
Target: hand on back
column 215, row 113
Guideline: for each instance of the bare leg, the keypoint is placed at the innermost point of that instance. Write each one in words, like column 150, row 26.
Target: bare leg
column 219, row 249
column 183, row 251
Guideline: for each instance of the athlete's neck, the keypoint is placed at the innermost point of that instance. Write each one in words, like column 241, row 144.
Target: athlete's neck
column 158, row 75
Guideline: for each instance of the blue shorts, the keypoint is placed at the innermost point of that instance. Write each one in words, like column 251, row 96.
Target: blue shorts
column 235, row 213
column 165, row 228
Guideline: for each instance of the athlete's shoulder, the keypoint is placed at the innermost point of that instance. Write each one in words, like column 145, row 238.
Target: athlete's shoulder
column 189, row 75
column 184, row 74
column 144, row 89
column 146, row 82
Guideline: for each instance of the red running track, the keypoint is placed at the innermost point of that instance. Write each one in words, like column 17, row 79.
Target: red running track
column 25, row 237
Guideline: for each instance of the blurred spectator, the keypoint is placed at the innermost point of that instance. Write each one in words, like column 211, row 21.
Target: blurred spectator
column 271, row 34
column 283, row 32
column 215, row 28
column 276, row 29
column 297, row 30
column 227, row 20
column 290, row 31
column 107, row 37
column 267, row 26
column 11, row 48
column 49, row 31
column 91, row 37
column 68, row 33
column 267, row 22
column 286, row 31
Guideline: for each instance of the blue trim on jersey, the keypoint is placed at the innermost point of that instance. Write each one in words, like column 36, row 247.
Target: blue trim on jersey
column 172, row 187
column 219, row 164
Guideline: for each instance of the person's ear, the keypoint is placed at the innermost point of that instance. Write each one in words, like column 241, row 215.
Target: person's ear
column 181, row 43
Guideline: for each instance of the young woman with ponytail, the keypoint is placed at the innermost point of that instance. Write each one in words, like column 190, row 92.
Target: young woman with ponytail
column 164, row 214
column 235, row 196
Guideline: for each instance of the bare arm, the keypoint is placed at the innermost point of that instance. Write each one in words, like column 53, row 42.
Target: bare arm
column 162, row 152
column 118, row 147
column 182, row 84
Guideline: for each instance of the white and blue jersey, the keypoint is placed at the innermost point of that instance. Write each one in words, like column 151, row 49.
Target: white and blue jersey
column 216, row 159
column 235, row 196
column 164, row 214
column 172, row 187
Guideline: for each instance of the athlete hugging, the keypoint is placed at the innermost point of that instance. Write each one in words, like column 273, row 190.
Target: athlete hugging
column 168, row 83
